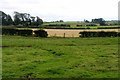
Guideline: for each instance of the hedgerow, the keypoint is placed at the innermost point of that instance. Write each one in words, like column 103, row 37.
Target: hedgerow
column 99, row 34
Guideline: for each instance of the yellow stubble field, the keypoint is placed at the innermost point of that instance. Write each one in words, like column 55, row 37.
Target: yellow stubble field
column 72, row 32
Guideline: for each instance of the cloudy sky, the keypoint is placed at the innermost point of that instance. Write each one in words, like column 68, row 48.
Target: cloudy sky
column 67, row 10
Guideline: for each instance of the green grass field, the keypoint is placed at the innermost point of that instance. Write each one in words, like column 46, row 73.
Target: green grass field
column 73, row 24
column 33, row 57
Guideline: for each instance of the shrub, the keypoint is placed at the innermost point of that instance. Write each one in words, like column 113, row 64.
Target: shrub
column 78, row 25
column 41, row 33
column 88, row 34
column 108, row 27
column 88, row 28
column 8, row 31
column 91, row 25
column 118, row 34
column 99, row 34
column 59, row 25
column 24, row 32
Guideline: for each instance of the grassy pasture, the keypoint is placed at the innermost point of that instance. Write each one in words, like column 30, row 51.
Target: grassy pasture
column 33, row 57
column 73, row 24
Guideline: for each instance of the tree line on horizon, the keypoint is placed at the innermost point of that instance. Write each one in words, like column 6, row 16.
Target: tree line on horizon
column 26, row 20
column 19, row 19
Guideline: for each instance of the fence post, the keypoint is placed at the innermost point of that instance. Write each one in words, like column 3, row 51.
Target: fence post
column 64, row 35
column 55, row 35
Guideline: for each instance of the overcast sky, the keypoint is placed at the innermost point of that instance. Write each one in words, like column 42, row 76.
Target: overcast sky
column 67, row 10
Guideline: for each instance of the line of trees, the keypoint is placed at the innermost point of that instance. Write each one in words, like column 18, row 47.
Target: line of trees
column 23, row 19
column 100, row 21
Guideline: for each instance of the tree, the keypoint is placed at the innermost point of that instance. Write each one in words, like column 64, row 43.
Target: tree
column 86, row 21
column 32, row 20
column 101, row 21
column 5, row 19
column 9, row 20
column 17, row 20
column 61, row 21
column 39, row 21
column 22, row 18
column 26, row 19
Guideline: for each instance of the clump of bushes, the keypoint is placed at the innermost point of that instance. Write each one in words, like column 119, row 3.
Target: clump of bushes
column 8, row 31
column 11, row 31
column 40, row 33
column 108, row 27
column 99, row 34
column 57, row 25
column 24, row 32
column 86, row 25
column 91, row 25
column 79, row 25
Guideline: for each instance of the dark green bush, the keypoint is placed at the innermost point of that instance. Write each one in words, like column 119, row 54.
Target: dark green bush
column 91, row 25
column 40, row 33
column 79, row 25
column 59, row 25
column 119, row 34
column 8, row 31
column 99, row 34
column 24, row 32
column 0, row 31
column 88, row 28
column 108, row 27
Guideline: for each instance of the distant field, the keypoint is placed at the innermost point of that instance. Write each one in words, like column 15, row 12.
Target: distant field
column 33, row 57
column 69, row 32
column 72, row 32
column 73, row 24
